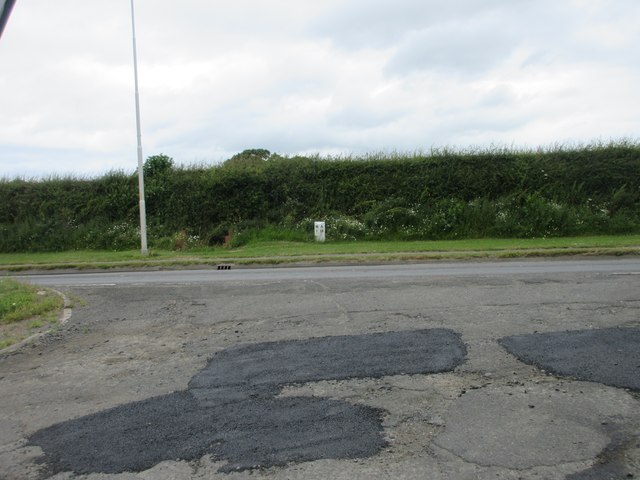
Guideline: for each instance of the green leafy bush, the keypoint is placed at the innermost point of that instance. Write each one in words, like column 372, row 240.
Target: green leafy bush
column 441, row 194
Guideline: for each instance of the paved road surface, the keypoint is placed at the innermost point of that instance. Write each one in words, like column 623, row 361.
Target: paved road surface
column 627, row 266
column 509, row 370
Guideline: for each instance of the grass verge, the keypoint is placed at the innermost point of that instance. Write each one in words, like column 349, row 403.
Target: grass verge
column 278, row 252
column 25, row 310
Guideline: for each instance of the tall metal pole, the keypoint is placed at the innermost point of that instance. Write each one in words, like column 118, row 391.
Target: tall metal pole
column 143, row 211
column 5, row 11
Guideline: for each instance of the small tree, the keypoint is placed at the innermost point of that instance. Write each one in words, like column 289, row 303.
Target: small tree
column 157, row 165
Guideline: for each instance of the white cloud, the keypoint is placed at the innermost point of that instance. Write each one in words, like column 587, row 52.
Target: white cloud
column 333, row 76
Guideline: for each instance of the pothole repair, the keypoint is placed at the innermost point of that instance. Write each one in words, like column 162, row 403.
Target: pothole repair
column 230, row 410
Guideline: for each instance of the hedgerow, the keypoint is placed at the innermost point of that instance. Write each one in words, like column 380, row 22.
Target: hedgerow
column 498, row 192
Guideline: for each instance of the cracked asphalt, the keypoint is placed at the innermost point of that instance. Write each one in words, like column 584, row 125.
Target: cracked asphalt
column 523, row 395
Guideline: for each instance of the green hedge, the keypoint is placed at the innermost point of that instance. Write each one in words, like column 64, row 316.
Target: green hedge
column 444, row 194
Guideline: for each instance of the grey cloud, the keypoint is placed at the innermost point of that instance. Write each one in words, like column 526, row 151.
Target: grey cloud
column 238, row 129
column 362, row 116
column 458, row 36
column 568, row 33
column 499, row 110
column 310, row 76
column 482, row 122
column 382, row 23
column 457, row 47
column 499, row 96
column 470, row 35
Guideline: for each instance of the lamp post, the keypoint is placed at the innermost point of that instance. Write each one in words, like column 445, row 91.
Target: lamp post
column 5, row 11
column 143, row 211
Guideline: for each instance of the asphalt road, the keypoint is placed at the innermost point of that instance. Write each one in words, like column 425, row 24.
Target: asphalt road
column 510, row 370
column 615, row 266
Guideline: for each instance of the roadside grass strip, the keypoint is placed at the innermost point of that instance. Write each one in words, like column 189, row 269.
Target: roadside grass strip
column 288, row 252
column 24, row 309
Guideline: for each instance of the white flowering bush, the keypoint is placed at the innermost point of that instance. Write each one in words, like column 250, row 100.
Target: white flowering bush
column 182, row 240
column 338, row 227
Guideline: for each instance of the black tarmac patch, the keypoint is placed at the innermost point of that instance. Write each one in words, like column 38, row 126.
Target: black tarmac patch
column 230, row 410
column 610, row 356
column 263, row 368
column 249, row 434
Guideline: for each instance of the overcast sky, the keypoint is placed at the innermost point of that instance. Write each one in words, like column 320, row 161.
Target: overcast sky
column 300, row 76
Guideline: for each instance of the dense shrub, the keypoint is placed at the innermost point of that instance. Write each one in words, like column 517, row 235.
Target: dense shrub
column 443, row 194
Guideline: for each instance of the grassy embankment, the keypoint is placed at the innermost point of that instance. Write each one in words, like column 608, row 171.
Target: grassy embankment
column 25, row 310
column 278, row 252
